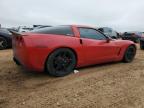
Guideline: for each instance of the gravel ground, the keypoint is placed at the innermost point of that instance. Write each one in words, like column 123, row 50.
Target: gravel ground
column 114, row 85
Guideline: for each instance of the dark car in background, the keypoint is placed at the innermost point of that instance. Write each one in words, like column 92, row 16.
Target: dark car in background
column 5, row 39
column 142, row 41
column 40, row 26
column 24, row 29
column 133, row 36
column 109, row 32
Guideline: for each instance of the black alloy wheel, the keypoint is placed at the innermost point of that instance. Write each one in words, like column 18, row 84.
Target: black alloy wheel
column 61, row 62
column 3, row 43
column 129, row 54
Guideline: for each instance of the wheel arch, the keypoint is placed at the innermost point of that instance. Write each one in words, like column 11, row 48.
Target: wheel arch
column 6, row 38
column 60, row 48
column 2, row 36
column 132, row 45
column 127, row 48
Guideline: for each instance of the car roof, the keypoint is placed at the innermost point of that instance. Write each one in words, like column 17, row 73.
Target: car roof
column 74, row 25
column 83, row 26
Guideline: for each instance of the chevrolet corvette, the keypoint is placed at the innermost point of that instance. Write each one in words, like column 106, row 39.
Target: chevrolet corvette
column 59, row 49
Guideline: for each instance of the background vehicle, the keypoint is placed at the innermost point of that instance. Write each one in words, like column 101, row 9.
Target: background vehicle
column 40, row 26
column 109, row 32
column 5, row 39
column 24, row 29
column 142, row 41
column 133, row 36
column 58, row 50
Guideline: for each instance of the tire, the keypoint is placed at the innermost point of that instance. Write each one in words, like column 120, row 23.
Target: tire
column 3, row 43
column 61, row 62
column 129, row 54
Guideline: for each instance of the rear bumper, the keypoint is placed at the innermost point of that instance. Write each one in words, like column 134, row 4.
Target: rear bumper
column 32, row 59
column 28, row 66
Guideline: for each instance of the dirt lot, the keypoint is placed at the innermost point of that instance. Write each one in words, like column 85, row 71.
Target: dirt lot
column 115, row 85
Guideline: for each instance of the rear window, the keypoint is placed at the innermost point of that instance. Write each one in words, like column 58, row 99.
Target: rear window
column 59, row 30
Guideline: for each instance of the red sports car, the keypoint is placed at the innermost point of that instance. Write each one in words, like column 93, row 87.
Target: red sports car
column 59, row 49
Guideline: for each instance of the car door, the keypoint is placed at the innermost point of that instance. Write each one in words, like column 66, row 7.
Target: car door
column 97, row 47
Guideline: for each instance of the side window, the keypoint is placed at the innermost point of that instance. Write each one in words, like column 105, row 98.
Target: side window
column 91, row 34
column 63, row 30
column 59, row 30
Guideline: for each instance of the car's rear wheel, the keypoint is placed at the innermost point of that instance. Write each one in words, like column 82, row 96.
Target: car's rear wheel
column 3, row 43
column 61, row 62
column 129, row 54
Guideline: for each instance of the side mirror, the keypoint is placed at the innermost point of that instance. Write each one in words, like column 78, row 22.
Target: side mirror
column 108, row 40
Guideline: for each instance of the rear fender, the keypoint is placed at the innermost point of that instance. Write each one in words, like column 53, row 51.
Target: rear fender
column 74, row 51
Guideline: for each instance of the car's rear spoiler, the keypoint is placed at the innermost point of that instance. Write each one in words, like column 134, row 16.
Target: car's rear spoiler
column 14, row 33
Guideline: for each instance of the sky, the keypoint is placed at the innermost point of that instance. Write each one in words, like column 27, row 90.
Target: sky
column 121, row 15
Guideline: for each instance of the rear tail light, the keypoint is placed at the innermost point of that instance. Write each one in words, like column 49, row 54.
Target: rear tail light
column 19, row 40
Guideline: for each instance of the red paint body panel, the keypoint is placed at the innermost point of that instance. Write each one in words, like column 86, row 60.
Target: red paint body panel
column 33, row 50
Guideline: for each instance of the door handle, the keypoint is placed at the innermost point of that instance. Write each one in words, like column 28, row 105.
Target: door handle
column 81, row 42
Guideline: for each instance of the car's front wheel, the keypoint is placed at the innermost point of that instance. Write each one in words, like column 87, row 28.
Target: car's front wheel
column 129, row 54
column 3, row 43
column 61, row 62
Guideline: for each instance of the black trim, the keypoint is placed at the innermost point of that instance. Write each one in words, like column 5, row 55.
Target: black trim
column 81, row 42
